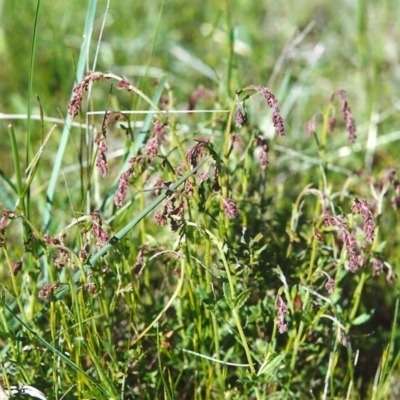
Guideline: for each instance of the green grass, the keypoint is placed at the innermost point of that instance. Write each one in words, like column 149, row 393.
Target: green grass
column 211, row 278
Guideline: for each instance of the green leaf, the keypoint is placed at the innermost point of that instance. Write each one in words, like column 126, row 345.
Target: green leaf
column 228, row 295
column 361, row 319
column 381, row 246
column 7, row 335
column 207, row 298
column 259, row 251
column 242, row 298
column 258, row 237
column 270, row 367
column 82, row 62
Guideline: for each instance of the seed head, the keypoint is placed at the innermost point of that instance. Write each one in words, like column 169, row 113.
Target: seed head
column 229, row 206
column 282, row 311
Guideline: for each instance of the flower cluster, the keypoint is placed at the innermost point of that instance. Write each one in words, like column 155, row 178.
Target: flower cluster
column 48, row 290
column 172, row 211
column 310, row 126
column 123, row 182
column 347, row 116
column 90, row 287
column 151, row 148
column 150, row 151
column 230, row 209
column 361, row 206
column 74, row 104
column 101, row 161
column 379, row 266
column 16, row 267
column 348, row 239
column 330, row 283
column 124, row 84
column 7, row 215
column 195, row 153
column 159, row 128
column 277, row 119
column 199, row 93
column 98, row 232
column 263, row 155
column 241, row 115
column 356, row 261
column 63, row 258
column 282, row 311
column 5, row 218
column 392, row 179
column 140, row 258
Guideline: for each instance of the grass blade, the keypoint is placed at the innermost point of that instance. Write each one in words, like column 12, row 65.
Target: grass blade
column 83, row 56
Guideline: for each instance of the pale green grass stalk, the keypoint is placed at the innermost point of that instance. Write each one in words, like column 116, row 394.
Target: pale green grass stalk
column 83, row 58
column 54, row 350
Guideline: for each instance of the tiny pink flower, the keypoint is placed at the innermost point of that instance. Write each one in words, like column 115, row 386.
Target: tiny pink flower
column 97, row 230
column 101, row 161
column 151, row 148
column 123, row 182
column 278, row 122
column 159, row 128
column 271, row 99
column 241, row 116
column 161, row 219
column 195, row 153
column 7, row 216
column 309, row 127
column 124, row 84
column 361, row 206
column 203, row 176
column 48, row 290
column 229, row 206
column 16, row 267
column 90, row 287
column 75, row 103
column 318, row 235
column 282, row 311
column 263, row 156
column 330, row 284
column 347, row 116
column 331, row 124
column 277, row 119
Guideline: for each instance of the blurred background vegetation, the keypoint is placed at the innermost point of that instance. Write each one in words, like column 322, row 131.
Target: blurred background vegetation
column 348, row 44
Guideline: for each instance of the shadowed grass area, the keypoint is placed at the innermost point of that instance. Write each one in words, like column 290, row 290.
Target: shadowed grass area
column 212, row 213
